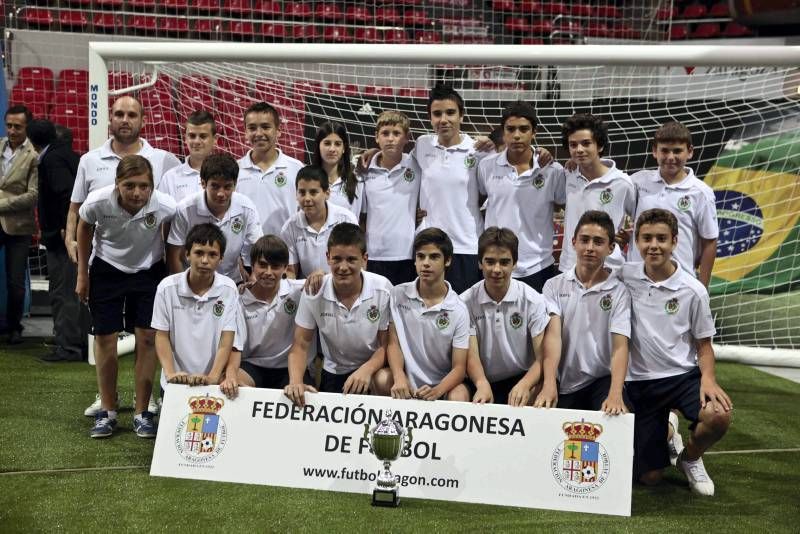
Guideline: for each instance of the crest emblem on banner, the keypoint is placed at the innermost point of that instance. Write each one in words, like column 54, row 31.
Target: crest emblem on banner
column 580, row 463
column 201, row 435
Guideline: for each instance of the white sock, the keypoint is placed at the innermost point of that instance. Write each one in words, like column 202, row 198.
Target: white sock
column 112, row 414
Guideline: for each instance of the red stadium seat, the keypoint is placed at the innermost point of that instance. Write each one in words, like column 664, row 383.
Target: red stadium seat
column 541, row 27
column 107, row 22
column 75, row 81
column 119, row 80
column 607, row 12
column 78, row 2
column 301, row 88
column 427, row 37
column 358, row 15
column 161, row 131
column 416, row 17
column 109, row 4
column 529, row 7
column 378, row 90
column 666, row 13
column 37, row 17
column 679, row 32
column 175, row 5
column 694, row 11
column 328, row 11
column 623, row 30
column 336, row 34
column 267, row 8
column 720, row 10
column 242, row 29
column 206, row 27
column 568, row 26
column 342, row 89
column 506, row 6
column 413, row 92
column 174, row 26
column 144, row 24
column 734, row 29
column 274, row 31
column 581, row 10
column 37, row 102
column 367, row 34
column 207, row 6
column 267, row 90
column 387, row 15
column 75, row 117
column 706, row 30
column 237, row 7
column 532, row 41
column 35, row 73
column 395, row 36
column 148, row 5
column 228, row 87
column 305, row 32
column 597, row 29
column 517, row 24
column 554, row 8
column 72, row 19
column 298, row 10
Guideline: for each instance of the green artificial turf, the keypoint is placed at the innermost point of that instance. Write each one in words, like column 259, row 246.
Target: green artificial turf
column 43, row 429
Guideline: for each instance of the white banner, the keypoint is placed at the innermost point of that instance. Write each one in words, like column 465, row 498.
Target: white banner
column 570, row 460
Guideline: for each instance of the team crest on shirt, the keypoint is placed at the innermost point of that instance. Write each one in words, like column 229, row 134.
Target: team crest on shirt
column 684, row 203
column 150, row 220
column 201, row 435
column 408, row 176
column 515, row 320
column 580, row 464
column 605, row 303
column 470, row 161
column 373, row 313
column 672, row 306
column 538, row 181
column 280, row 179
column 219, row 308
column 606, row 195
column 442, row 321
column 237, row 225
column 290, row 307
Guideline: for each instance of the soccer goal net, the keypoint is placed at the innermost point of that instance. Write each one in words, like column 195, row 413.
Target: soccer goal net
column 740, row 103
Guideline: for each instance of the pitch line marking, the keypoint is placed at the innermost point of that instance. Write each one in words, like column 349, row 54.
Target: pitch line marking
column 754, row 451
column 74, row 470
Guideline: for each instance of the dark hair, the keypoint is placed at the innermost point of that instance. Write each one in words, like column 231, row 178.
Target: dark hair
column 345, row 165
column 498, row 237
column 348, row 234
column 205, row 234
column 445, row 92
column 63, row 135
column 497, row 136
column 599, row 218
column 219, row 166
column 312, row 173
column 201, row 117
column 18, row 109
column 134, row 165
column 264, row 107
column 41, row 132
column 520, row 109
column 586, row 121
column 271, row 249
column 673, row 132
column 436, row 237
column 656, row 216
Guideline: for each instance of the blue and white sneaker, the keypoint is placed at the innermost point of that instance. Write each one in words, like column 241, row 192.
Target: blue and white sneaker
column 103, row 425
column 144, row 425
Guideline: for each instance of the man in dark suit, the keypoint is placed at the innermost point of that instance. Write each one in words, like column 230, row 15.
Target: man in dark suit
column 58, row 165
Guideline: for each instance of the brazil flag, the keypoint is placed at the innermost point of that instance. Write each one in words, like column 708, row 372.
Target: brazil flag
column 757, row 190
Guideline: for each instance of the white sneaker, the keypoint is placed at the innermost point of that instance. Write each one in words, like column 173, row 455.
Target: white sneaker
column 152, row 406
column 675, row 443
column 699, row 481
column 95, row 407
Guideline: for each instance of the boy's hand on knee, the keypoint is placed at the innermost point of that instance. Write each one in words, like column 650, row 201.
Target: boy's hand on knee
column 359, row 382
column 711, row 393
column 614, row 405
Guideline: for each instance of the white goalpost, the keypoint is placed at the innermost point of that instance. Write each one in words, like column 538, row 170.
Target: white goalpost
column 742, row 104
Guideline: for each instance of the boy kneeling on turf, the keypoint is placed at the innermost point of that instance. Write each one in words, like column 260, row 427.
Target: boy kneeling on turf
column 672, row 361
column 195, row 317
column 509, row 318
column 351, row 313
column 429, row 336
column 586, row 344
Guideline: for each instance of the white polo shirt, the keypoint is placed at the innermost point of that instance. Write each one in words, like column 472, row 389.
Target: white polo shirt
column 307, row 246
column 449, row 190
column 390, row 202
column 181, row 181
column 272, row 191
column 348, row 337
column 524, row 204
column 240, row 225
column 612, row 193
column 505, row 329
column 428, row 335
column 98, row 168
column 339, row 197
column 131, row 243
column 195, row 323
column 589, row 316
column 666, row 320
column 270, row 325
column 690, row 200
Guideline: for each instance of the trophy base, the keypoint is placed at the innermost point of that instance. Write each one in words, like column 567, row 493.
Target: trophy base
column 386, row 497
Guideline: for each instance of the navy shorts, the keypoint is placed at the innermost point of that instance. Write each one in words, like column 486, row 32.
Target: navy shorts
column 537, row 280
column 122, row 301
column 333, row 383
column 591, row 396
column 652, row 401
column 463, row 272
column 265, row 377
column 398, row 272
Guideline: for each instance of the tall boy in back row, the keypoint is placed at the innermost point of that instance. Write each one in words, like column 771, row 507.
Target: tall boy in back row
column 671, row 361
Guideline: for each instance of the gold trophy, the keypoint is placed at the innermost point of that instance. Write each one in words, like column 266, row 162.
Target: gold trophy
column 386, row 441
